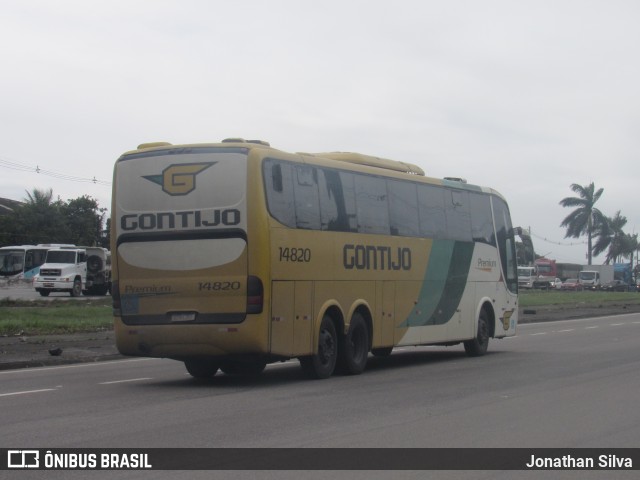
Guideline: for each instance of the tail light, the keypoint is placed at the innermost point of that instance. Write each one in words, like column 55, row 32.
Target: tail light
column 255, row 294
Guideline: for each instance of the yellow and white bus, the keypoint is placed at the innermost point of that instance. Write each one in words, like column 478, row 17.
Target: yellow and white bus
column 233, row 255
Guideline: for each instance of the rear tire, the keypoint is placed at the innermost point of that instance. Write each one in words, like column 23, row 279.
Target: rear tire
column 322, row 364
column 354, row 347
column 201, row 368
column 478, row 346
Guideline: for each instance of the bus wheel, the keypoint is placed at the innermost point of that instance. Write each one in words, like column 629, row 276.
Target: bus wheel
column 250, row 368
column 201, row 368
column 76, row 291
column 478, row 346
column 322, row 364
column 354, row 347
column 382, row 351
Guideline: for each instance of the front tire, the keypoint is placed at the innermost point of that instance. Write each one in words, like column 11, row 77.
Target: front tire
column 76, row 291
column 44, row 293
column 322, row 364
column 478, row 346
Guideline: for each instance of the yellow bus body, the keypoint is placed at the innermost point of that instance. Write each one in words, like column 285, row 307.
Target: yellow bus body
column 186, row 264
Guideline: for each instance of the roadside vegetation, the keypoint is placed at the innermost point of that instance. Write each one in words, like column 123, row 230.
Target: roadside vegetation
column 50, row 317
column 40, row 317
column 538, row 298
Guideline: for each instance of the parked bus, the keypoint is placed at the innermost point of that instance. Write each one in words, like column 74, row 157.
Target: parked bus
column 21, row 262
column 233, row 255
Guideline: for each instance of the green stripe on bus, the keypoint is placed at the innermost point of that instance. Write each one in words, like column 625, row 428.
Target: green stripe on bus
column 444, row 283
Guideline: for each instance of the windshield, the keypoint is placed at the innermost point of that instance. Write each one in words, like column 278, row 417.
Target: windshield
column 172, row 192
column 525, row 272
column 11, row 262
column 61, row 256
column 544, row 269
column 587, row 275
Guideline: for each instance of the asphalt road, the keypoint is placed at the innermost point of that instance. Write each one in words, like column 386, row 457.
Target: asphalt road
column 568, row 384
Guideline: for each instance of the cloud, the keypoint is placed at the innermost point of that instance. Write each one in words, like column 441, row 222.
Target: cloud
column 526, row 97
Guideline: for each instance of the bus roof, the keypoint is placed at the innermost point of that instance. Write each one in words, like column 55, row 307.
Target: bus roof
column 360, row 159
column 346, row 157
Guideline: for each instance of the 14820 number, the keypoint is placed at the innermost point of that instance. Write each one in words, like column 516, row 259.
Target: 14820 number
column 294, row 254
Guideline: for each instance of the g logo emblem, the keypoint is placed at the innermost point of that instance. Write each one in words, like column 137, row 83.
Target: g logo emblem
column 179, row 179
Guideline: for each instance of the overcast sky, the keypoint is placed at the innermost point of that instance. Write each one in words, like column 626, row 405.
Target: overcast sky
column 526, row 97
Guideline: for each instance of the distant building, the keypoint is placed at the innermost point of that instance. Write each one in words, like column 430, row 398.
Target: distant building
column 7, row 206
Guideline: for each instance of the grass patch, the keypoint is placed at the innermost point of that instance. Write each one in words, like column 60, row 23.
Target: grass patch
column 51, row 317
column 537, row 298
column 46, row 317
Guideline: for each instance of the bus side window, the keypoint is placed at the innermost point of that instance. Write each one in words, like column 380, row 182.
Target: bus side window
column 403, row 208
column 279, row 185
column 372, row 205
column 28, row 261
column 433, row 222
column 307, row 204
column 331, row 199
column 481, row 219
column 276, row 177
column 458, row 216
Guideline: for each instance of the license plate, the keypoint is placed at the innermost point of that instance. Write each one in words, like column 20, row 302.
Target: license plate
column 183, row 317
column 50, row 285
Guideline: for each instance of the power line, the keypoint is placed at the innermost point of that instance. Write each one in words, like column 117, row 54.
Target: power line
column 50, row 173
column 562, row 244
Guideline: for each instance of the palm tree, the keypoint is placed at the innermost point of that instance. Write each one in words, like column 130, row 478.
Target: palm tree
column 585, row 219
column 625, row 248
column 610, row 236
column 39, row 220
column 39, row 198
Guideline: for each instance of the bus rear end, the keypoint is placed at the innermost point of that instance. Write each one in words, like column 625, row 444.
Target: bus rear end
column 181, row 285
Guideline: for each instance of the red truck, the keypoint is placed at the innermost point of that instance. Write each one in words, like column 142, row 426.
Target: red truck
column 549, row 270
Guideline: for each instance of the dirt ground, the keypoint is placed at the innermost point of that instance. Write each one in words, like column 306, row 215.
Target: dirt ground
column 21, row 351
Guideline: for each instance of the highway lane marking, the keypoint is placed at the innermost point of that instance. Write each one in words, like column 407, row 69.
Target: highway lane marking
column 578, row 320
column 125, row 381
column 573, row 329
column 26, row 392
column 79, row 365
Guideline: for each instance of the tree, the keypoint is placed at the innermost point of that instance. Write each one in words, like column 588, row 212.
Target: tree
column 586, row 218
column 610, row 236
column 84, row 221
column 41, row 220
column 628, row 246
column 37, row 220
column 39, row 198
